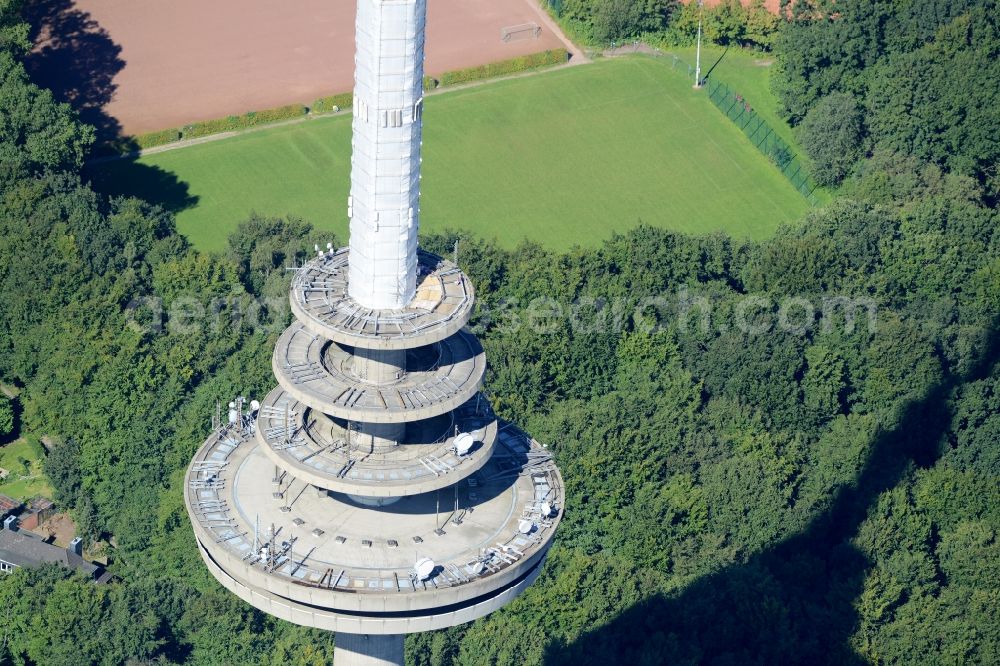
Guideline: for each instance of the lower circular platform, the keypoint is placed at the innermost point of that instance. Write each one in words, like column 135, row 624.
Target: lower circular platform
column 318, row 450
column 380, row 624
column 319, row 559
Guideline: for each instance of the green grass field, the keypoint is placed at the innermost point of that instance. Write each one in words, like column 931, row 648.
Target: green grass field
column 749, row 74
column 564, row 157
column 21, row 485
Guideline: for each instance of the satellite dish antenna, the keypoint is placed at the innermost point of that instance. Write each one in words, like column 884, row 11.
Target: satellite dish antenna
column 254, row 405
column 526, row 527
column 424, row 568
column 464, row 443
column 232, row 405
column 547, row 510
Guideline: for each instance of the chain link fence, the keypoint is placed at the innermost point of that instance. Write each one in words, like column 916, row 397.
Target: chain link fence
column 763, row 136
column 760, row 133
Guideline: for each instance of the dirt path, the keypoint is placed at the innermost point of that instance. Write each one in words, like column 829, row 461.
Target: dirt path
column 577, row 57
column 132, row 67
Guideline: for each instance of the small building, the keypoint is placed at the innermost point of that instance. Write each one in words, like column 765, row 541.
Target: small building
column 39, row 510
column 19, row 548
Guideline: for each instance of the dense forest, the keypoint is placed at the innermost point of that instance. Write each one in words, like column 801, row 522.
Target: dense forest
column 782, row 451
column 911, row 78
column 728, row 22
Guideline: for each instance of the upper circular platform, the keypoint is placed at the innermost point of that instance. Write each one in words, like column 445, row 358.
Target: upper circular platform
column 442, row 305
column 313, row 448
column 321, row 560
column 319, row 374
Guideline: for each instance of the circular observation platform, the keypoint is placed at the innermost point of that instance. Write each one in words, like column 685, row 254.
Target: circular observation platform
column 316, row 449
column 320, row 560
column 441, row 307
column 318, row 373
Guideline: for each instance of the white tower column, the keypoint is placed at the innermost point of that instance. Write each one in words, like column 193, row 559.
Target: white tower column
column 385, row 163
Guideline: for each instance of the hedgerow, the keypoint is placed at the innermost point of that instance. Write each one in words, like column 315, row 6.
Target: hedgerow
column 332, row 103
column 505, row 67
column 153, row 139
column 251, row 119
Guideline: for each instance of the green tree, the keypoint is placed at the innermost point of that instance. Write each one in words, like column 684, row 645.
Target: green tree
column 6, row 417
column 831, row 134
column 825, row 382
column 726, row 23
column 263, row 246
column 931, row 103
column 35, row 133
column 14, row 32
column 616, row 19
column 761, row 25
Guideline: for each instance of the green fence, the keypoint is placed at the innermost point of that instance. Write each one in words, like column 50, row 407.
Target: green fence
column 763, row 136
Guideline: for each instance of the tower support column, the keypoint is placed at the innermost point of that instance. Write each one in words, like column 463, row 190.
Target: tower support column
column 368, row 650
column 379, row 367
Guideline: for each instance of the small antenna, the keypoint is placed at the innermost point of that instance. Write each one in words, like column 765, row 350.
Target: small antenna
column 256, row 534
column 288, row 427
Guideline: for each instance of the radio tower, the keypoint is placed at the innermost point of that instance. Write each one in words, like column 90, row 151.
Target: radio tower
column 373, row 493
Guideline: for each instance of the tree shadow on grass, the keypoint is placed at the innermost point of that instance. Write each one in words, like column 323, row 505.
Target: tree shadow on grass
column 75, row 58
column 792, row 603
column 129, row 177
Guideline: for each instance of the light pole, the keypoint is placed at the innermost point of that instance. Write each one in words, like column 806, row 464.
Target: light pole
column 697, row 62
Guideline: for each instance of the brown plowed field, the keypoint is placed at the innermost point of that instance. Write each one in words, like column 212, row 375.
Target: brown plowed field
column 134, row 66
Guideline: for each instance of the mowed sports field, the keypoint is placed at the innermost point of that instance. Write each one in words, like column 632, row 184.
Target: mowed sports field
column 567, row 157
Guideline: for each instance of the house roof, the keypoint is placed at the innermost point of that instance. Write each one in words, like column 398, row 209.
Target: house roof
column 27, row 550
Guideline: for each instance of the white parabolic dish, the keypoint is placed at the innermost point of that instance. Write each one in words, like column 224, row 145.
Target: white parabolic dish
column 424, row 568
column 464, row 443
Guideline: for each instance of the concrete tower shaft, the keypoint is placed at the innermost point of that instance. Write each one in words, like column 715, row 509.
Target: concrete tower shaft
column 430, row 511
column 385, row 163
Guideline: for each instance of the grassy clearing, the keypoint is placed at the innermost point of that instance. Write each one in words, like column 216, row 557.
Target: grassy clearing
column 23, row 484
column 563, row 158
column 749, row 74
